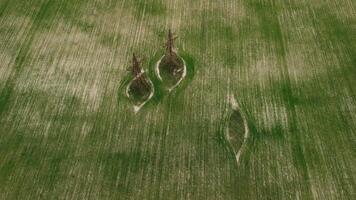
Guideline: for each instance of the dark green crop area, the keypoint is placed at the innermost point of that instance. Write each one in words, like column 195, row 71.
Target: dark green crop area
column 67, row 130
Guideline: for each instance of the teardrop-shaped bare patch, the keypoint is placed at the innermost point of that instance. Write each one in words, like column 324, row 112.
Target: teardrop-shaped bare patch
column 237, row 130
column 171, row 71
column 140, row 90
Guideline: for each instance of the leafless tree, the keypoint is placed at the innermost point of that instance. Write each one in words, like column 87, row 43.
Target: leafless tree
column 171, row 59
column 136, row 70
column 170, row 44
column 140, row 82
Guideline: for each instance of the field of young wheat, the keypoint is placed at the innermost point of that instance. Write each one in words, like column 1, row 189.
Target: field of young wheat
column 266, row 109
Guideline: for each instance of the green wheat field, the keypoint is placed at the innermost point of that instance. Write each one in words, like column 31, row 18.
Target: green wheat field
column 67, row 130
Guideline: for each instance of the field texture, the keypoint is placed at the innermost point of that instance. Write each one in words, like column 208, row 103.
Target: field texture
column 67, row 131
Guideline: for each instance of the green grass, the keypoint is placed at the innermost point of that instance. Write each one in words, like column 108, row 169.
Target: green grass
column 67, row 130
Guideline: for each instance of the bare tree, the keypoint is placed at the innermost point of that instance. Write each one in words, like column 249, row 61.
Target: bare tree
column 170, row 44
column 140, row 81
column 136, row 70
column 171, row 59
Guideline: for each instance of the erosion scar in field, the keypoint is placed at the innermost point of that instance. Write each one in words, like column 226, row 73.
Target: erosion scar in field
column 236, row 132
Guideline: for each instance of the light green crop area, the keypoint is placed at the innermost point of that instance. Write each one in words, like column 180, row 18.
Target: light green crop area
column 68, row 132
